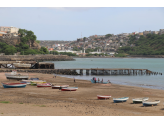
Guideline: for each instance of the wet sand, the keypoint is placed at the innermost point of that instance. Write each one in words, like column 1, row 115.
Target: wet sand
column 33, row 101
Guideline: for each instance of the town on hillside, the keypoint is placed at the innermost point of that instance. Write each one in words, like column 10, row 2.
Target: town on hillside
column 95, row 44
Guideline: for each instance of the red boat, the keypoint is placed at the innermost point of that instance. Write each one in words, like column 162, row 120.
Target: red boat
column 69, row 89
column 44, row 85
column 59, row 86
column 103, row 96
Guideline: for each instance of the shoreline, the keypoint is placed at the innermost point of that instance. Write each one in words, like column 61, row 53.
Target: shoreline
column 35, row 101
column 119, row 57
column 115, row 82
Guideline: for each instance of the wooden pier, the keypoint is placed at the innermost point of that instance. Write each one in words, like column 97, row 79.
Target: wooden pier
column 92, row 71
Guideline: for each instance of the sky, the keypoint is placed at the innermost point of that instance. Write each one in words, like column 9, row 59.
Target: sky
column 70, row 23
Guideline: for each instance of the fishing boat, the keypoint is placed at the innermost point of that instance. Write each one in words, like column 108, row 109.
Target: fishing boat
column 139, row 100
column 14, row 85
column 14, row 72
column 103, row 96
column 15, row 75
column 38, row 81
column 22, row 65
column 69, row 89
column 122, row 99
column 44, row 85
column 34, row 79
column 35, row 82
column 93, row 81
column 28, row 82
column 59, row 86
column 150, row 103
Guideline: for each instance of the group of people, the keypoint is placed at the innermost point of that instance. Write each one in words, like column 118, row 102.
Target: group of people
column 94, row 78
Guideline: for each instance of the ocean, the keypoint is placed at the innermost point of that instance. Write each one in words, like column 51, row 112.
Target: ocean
column 145, row 81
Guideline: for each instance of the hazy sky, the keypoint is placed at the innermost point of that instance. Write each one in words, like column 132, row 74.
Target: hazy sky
column 67, row 23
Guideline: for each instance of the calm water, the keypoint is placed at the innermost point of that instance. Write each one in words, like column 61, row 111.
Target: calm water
column 153, row 64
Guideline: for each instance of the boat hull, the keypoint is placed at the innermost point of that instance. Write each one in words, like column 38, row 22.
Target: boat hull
column 123, row 99
column 18, row 77
column 14, row 85
column 140, row 100
column 44, row 85
column 59, row 86
column 69, row 89
column 147, row 103
column 103, row 96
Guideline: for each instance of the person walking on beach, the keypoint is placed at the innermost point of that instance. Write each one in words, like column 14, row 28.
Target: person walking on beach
column 74, row 80
column 98, row 80
column 95, row 79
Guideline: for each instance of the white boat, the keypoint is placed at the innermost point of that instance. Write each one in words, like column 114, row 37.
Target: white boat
column 122, row 99
column 28, row 82
column 150, row 103
column 15, row 75
column 21, row 65
column 14, row 72
column 139, row 100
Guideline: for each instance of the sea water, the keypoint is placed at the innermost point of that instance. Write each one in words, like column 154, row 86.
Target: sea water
column 146, row 81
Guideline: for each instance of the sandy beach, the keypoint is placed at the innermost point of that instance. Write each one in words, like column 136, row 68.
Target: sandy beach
column 33, row 101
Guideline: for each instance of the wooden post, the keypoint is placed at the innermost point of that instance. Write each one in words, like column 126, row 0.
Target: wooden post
column 87, row 72
column 81, row 71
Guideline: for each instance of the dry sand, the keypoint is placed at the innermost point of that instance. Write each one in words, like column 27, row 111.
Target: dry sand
column 33, row 101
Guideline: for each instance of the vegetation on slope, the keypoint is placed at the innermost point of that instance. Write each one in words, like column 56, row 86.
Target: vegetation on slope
column 151, row 44
column 22, row 47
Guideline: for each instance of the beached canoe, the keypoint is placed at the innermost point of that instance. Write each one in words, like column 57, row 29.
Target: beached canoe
column 44, row 85
column 14, row 85
column 34, row 78
column 38, row 81
column 139, row 100
column 35, row 82
column 69, row 89
column 150, row 103
column 93, row 81
column 122, row 99
column 28, row 82
column 59, row 86
column 103, row 96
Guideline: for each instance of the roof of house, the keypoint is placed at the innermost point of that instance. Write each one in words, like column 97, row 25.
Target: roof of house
column 3, row 33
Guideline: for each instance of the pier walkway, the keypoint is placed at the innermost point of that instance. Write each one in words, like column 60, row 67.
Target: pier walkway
column 91, row 71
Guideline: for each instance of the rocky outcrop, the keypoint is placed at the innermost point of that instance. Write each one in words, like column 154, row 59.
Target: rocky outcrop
column 11, row 41
column 33, row 45
column 16, row 40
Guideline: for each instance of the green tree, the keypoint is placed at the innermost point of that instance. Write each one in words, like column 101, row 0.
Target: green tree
column 108, row 35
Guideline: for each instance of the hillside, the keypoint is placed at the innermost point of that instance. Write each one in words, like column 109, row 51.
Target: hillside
column 25, row 43
column 151, row 44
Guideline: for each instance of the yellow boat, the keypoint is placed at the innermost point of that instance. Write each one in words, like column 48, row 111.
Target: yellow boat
column 35, row 82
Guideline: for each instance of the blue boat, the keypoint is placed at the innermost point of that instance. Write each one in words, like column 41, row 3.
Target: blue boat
column 34, row 78
column 93, row 81
column 14, row 85
column 122, row 99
